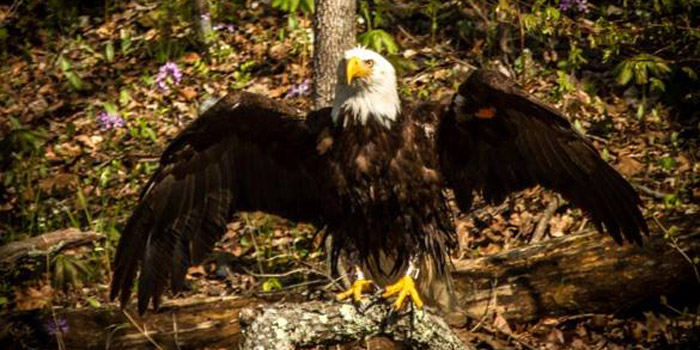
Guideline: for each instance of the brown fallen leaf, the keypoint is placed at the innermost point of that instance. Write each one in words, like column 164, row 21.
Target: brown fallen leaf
column 629, row 166
column 278, row 52
column 188, row 93
column 61, row 183
column 33, row 297
column 683, row 163
column 68, row 150
column 502, row 324
column 191, row 57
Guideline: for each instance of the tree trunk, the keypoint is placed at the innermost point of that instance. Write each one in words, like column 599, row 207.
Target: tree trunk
column 202, row 23
column 334, row 32
column 577, row 274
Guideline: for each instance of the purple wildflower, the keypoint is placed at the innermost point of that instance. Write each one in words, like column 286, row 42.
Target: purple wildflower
column 227, row 27
column 108, row 121
column 54, row 327
column 581, row 5
column 168, row 72
column 299, row 90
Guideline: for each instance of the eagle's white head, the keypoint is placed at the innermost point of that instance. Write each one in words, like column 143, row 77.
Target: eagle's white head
column 366, row 88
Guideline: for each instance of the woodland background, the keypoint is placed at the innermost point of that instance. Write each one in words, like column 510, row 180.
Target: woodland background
column 92, row 91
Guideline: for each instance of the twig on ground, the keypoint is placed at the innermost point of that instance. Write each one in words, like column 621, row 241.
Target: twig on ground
column 488, row 305
column 674, row 245
column 542, row 225
column 142, row 330
column 653, row 193
column 285, row 274
column 175, row 332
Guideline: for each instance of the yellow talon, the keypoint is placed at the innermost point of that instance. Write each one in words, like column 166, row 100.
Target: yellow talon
column 404, row 287
column 360, row 285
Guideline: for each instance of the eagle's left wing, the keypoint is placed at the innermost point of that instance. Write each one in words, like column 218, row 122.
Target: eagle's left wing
column 496, row 138
column 246, row 153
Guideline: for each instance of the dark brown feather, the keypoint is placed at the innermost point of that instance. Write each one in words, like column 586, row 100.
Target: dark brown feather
column 527, row 143
column 246, row 153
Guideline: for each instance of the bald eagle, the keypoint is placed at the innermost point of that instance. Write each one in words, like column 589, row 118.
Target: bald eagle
column 372, row 169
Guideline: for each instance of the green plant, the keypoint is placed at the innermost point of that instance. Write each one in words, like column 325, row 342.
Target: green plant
column 375, row 38
column 69, row 73
column 68, row 271
column 291, row 6
column 379, row 40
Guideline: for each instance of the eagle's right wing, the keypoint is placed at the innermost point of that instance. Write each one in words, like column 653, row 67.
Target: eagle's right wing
column 497, row 139
column 246, row 153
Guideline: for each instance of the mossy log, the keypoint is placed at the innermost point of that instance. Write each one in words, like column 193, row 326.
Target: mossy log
column 570, row 275
column 292, row 326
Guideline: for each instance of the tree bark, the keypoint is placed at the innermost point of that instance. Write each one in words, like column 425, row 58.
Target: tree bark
column 576, row 274
column 334, row 32
column 202, row 22
column 292, row 326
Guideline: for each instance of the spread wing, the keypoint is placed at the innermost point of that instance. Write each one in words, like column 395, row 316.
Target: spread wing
column 246, row 153
column 497, row 139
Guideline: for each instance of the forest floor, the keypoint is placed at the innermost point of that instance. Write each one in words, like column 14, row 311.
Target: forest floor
column 84, row 118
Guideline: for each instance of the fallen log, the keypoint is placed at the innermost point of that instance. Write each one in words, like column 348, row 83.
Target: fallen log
column 576, row 274
column 47, row 243
column 570, row 275
column 180, row 324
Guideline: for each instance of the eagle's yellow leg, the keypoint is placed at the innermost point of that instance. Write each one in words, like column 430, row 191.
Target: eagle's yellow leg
column 360, row 285
column 404, row 287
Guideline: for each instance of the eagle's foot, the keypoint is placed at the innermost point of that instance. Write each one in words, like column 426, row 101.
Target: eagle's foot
column 404, row 287
column 358, row 287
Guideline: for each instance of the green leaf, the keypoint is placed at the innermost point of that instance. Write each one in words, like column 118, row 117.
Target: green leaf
column 125, row 41
column 670, row 200
column 667, row 163
column 623, row 73
column 379, row 40
column 149, row 133
column 82, row 201
column 641, row 110
column 578, row 127
column 64, row 64
column 271, row 284
column 530, row 21
column 124, row 97
column 308, row 6
column 657, row 85
column 109, row 52
column 110, row 108
column 641, row 76
column 74, row 80
column 93, row 302
column 552, row 13
column 690, row 73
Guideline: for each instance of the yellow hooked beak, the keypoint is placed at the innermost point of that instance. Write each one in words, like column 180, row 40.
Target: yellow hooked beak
column 356, row 68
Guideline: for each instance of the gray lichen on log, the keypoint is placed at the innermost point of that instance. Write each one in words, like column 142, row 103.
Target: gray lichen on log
column 289, row 326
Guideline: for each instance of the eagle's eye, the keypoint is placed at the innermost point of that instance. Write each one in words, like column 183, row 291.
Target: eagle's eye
column 369, row 63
